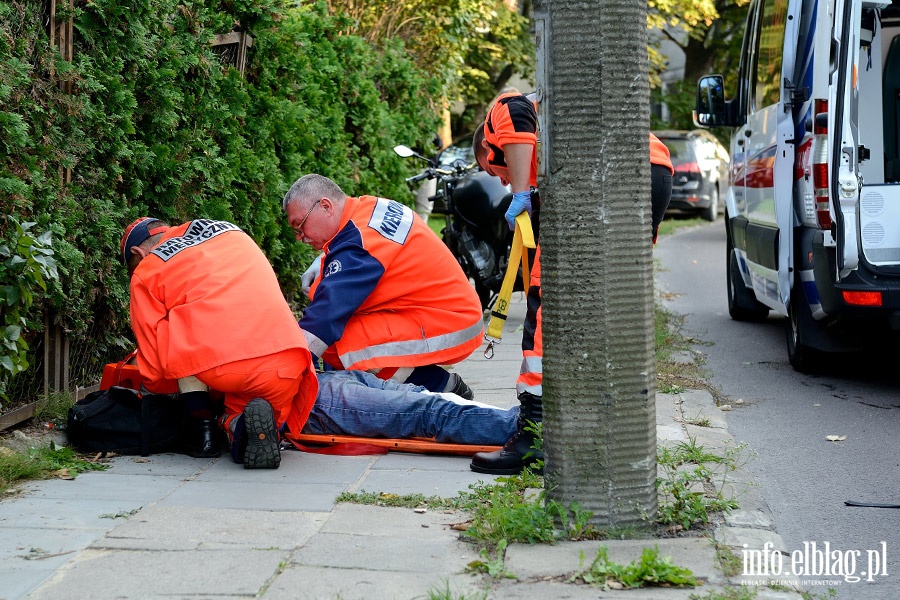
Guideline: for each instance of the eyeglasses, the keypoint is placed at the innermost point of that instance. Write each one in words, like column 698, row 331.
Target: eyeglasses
column 298, row 229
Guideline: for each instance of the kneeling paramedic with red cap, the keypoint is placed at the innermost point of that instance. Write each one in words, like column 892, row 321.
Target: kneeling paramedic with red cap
column 207, row 311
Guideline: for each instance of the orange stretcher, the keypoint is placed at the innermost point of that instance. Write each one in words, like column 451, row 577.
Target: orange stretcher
column 349, row 445
column 125, row 374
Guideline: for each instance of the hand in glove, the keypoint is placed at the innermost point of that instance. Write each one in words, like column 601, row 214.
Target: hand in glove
column 521, row 201
column 310, row 274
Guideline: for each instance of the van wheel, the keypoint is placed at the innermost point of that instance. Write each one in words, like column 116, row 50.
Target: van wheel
column 712, row 211
column 802, row 357
column 742, row 304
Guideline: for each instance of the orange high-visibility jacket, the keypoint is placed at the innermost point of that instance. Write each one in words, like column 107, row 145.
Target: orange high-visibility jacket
column 207, row 296
column 390, row 294
column 659, row 153
column 512, row 119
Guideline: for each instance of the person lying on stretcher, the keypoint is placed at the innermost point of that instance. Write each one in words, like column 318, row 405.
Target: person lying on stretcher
column 207, row 312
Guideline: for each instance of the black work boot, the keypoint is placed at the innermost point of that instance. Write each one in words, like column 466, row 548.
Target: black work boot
column 456, row 385
column 517, row 453
column 262, row 449
column 201, row 438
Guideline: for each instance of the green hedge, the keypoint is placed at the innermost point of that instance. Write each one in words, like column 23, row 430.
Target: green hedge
column 156, row 125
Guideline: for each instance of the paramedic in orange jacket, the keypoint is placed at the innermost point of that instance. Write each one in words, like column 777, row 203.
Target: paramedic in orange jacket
column 389, row 298
column 207, row 310
column 506, row 147
column 661, row 171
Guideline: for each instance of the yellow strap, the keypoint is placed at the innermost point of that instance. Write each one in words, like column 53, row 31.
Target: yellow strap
column 522, row 238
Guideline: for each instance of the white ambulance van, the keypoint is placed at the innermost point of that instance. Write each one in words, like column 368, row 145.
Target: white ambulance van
column 813, row 202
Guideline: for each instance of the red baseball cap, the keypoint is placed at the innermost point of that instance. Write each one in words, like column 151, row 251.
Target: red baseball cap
column 136, row 233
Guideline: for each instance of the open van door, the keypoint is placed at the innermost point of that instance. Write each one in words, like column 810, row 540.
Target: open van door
column 844, row 158
column 768, row 138
column 788, row 137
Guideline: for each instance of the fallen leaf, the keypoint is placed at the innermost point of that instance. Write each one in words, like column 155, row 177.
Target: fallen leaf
column 835, row 438
column 63, row 474
column 673, row 528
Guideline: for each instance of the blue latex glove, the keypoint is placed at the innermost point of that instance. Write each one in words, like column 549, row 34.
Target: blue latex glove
column 521, row 201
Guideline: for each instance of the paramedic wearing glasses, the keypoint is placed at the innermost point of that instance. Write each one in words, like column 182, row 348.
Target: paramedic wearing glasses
column 386, row 294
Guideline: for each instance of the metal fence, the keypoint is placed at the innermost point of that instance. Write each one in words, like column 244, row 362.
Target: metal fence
column 232, row 49
column 60, row 361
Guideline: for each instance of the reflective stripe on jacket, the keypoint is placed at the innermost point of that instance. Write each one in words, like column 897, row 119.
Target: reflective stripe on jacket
column 390, row 294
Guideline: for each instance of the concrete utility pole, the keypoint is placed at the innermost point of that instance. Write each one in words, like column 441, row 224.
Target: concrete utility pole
column 599, row 363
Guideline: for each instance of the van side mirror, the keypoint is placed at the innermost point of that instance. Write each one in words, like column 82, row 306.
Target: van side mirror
column 710, row 107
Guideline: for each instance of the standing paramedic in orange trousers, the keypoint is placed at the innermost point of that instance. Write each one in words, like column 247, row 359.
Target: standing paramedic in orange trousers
column 207, row 310
column 387, row 295
column 505, row 147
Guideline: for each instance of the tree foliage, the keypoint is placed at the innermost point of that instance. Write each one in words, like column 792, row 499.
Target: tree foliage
column 709, row 32
column 156, row 124
column 712, row 32
column 475, row 46
column 506, row 49
column 681, row 14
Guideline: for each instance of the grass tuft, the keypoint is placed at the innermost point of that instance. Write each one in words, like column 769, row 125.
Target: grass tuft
column 692, row 482
column 42, row 463
column 650, row 570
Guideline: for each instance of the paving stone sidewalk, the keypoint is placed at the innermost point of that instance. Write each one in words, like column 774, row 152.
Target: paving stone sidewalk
column 170, row 526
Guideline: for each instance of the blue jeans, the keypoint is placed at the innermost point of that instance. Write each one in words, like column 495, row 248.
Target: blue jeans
column 359, row 404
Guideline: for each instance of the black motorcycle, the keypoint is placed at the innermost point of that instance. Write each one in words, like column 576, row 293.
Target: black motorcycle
column 473, row 204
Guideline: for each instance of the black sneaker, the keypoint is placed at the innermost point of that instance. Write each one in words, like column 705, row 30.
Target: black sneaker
column 457, row 386
column 263, row 449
